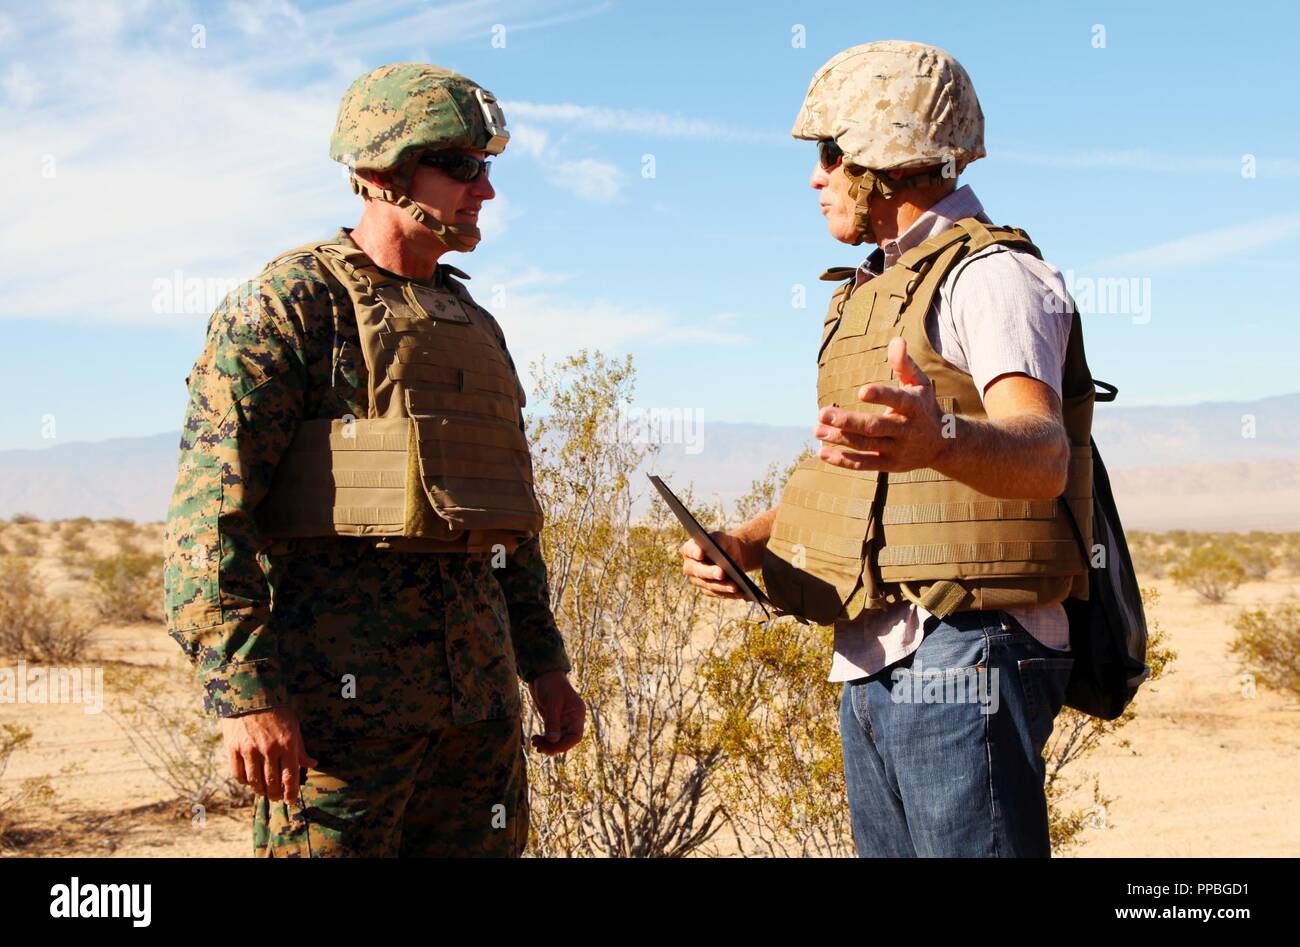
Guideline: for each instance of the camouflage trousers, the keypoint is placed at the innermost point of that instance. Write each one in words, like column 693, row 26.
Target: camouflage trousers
column 456, row 792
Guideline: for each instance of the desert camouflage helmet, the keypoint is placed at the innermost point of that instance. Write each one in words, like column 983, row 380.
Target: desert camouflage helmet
column 395, row 112
column 893, row 105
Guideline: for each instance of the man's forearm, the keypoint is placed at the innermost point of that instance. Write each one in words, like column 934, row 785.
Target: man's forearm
column 537, row 642
column 754, row 536
column 1023, row 456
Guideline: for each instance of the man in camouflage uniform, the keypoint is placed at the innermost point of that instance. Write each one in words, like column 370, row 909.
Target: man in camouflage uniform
column 366, row 675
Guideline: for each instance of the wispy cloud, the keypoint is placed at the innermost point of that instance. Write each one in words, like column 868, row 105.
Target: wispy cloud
column 1142, row 159
column 1205, row 247
column 253, row 16
column 19, row 85
column 591, row 178
column 207, row 156
column 538, row 321
column 636, row 122
column 588, row 178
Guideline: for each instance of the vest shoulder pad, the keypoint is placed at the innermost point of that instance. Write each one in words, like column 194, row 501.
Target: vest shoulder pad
column 985, row 235
column 305, row 249
column 838, row 273
column 298, row 265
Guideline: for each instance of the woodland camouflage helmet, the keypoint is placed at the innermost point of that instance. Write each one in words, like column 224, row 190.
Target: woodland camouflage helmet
column 893, row 105
column 392, row 115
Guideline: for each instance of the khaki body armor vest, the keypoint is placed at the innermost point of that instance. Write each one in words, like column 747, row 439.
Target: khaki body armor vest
column 845, row 541
column 440, row 463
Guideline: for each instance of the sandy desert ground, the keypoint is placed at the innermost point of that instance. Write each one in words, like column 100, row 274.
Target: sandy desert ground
column 1207, row 771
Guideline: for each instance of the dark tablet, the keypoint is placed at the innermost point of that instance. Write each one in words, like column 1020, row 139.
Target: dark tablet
column 712, row 549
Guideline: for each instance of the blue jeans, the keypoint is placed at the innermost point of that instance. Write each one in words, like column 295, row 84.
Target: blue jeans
column 943, row 750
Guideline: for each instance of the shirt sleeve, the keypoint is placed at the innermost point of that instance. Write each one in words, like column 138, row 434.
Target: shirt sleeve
column 247, row 392
column 538, row 645
column 1004, row 313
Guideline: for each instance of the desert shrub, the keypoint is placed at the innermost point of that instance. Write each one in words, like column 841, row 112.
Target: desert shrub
column 1288, row 553
column 1268, row 646
column 1149, row 554
column 22, row 519
column 161, row 713
column 73, row 542
column 1255, row 555
column 778, row 726
column 79, row 565
column 637, row 783
column 36, row 791
column 778, row 720
column 698, row 715
column 1077, row 734
column 1209, row 570
column 32, row 624
column 22, row 544
column 128, row 586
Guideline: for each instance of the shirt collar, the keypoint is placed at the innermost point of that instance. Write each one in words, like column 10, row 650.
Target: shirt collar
column 938, row 218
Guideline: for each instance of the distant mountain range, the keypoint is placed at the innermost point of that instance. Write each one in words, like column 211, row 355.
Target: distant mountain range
column 1215, row 465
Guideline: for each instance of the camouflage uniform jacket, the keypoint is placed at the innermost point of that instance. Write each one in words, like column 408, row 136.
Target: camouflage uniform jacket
column 429, row 640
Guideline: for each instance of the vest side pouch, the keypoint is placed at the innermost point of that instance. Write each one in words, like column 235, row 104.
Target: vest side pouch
column 421, row 518
column 813, row 560
column 340, row 478
column 476, row 472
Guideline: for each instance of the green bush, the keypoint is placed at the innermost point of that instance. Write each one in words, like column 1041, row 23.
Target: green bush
column 1289, row 553
column 128, row 586
column 33, row 625
column 1149, row 556
column 1255, row 556
column 23, row 545
column 1268, row 646
column 1211, row 571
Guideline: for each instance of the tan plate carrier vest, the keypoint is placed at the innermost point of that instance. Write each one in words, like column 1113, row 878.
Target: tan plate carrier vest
column 441, row 463
column 844, row 541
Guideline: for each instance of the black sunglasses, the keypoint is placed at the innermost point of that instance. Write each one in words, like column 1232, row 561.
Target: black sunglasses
column 829, row 152
column 466, row 168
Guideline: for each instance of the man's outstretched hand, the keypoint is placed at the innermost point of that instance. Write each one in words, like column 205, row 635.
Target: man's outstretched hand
column 562, row 710
column 907, row 436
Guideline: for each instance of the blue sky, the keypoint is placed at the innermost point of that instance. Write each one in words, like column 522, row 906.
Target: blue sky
column 146, row 144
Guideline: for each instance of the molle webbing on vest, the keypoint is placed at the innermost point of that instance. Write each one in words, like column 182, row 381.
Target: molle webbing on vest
column 441, row 464
column 845, row 541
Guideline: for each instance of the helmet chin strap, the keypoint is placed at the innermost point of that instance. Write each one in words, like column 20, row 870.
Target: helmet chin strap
column 865, row 184
column 462, row 238
column 861, row 189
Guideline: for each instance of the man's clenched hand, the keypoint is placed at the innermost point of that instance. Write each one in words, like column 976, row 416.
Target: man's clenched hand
column 563, row 712
column 266, row 751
